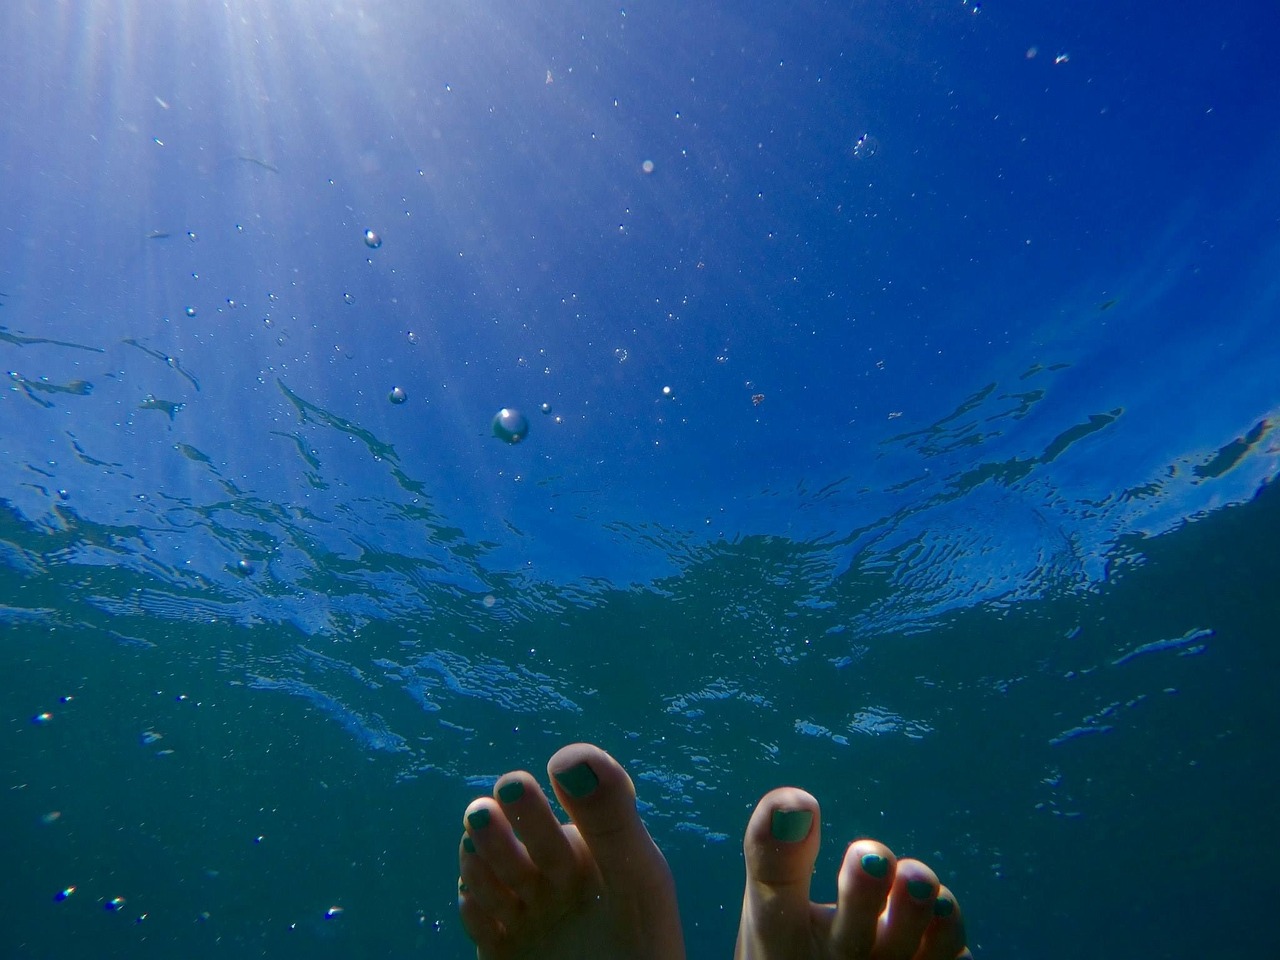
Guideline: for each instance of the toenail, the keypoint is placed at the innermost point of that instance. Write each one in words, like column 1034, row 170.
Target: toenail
column 875, row 865
column 578, row 780
column 511, row 792
column 943, row 907
column 479, row 819
column 468, row 845
column 791, row 826
column 920, row 889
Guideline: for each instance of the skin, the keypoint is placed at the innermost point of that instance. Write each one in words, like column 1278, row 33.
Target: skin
column 598, row 888
column 874, row 918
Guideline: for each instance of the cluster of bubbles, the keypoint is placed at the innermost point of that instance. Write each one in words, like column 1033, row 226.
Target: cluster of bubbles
column 509, row 424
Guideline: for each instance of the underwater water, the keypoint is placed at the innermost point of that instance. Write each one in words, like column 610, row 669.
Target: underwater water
column 878, row 398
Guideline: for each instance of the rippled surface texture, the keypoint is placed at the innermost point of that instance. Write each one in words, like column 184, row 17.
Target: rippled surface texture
column 875, row 397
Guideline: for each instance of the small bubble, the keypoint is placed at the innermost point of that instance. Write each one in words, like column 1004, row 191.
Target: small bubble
column 397, row 395
column 332, row 912
column 244, row 567
column 647, row 166
column 865, row 147
column 191, row 235
column 191, row 311
column 114, row 904
column 349, row 299
column 545, row 408
column 372, row 240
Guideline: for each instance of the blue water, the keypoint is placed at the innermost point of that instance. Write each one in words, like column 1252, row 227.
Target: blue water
column 910, row 376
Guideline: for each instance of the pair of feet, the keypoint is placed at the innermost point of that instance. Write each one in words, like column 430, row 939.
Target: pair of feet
column 531, row 888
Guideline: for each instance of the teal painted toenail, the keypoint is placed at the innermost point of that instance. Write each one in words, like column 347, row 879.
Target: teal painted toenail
column 791, row 826
column 579, row 780
column 479, row 819
column 875, row 865
column 511, row 792
column 468, row 845
column 943, row 907
column 920, row 889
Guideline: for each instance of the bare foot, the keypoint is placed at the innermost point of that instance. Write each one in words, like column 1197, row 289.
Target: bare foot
column 885, row 909
column 596, row 888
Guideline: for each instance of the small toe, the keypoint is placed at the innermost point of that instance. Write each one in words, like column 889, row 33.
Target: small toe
column 481, row 926
column 495, row 843
column 944, row 938
column 481, row 894
column 863, row 886
column 537, row 828
column 909, row 912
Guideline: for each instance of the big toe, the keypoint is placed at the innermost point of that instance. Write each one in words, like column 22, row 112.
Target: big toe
column 780, row 848
column 601, row 801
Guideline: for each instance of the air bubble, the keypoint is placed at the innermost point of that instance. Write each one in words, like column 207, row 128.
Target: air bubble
column 510, row 425
column 865, row 147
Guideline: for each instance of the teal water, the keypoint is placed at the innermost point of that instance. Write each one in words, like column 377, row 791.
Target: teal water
column 1082, row 766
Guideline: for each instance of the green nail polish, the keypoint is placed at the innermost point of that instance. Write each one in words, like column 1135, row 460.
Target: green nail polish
column 875, row 865
column 579, row 780
column 468, row 845
column 943, row 907
column 511, row 792
column 479, row 819
column 920, row 889
column 791, row 826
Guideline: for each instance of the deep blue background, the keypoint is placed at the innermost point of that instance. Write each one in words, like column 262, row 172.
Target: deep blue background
column 857, row 446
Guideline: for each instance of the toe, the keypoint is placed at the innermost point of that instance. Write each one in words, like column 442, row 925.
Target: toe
column 908, row 913
column 944, row 937
column 487, row 905
column 481, row 926
column 866, row 877
column 494, row 841
column 534, row 823
column 601, row 800
column 781, row 847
